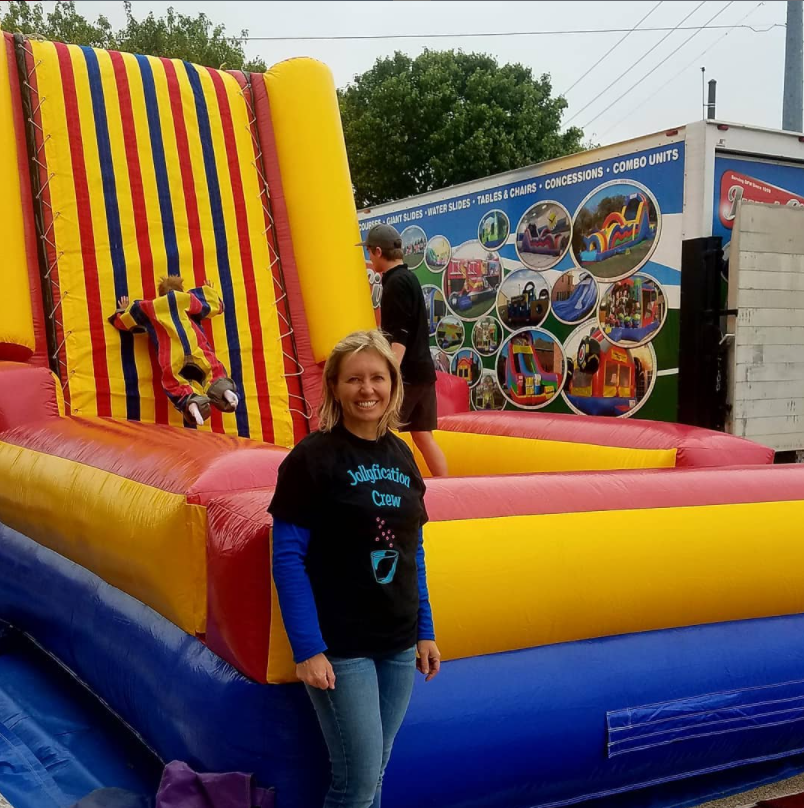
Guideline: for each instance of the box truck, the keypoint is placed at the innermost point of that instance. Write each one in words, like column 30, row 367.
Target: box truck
column 597, row 283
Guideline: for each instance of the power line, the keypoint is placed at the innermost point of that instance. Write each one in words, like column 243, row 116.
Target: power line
column 334, row 37
column 706, row 50
column 653, row 70
column 612, row 48
column 631, row 67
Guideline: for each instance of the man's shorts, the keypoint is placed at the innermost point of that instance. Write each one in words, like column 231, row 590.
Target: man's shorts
column 419, row 409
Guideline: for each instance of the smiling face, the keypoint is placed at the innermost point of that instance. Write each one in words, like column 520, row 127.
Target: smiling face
column 363, row 389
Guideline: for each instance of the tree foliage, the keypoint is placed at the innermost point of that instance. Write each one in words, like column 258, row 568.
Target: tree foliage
column 175, row 35
column 415, row 125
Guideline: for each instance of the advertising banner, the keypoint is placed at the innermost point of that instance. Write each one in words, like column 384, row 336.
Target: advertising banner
column 559, row 291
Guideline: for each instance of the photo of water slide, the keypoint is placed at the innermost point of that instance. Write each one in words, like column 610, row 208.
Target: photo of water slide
column 531, row 368
column 615, row 230
column 574, row 296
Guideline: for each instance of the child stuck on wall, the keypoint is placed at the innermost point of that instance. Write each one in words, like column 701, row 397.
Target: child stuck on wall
column 192, row 376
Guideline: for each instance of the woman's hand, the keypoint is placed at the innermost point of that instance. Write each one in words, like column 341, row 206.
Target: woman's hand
column 429, row 661
column 317, row 672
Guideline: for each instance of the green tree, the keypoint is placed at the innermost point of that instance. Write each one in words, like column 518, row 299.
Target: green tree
column 176, row 36
column 415, row 125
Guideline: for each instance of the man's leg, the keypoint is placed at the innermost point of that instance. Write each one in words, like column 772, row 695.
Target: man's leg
column 431, row 452
column 422, row 419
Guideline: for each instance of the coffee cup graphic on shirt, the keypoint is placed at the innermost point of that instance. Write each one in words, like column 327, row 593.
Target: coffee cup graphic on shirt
column 384, row 562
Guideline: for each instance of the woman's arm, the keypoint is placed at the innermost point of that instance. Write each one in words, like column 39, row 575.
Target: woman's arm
column 296, row 600
column 426, row 629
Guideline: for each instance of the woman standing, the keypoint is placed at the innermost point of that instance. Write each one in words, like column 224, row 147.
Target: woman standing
column 348, row 563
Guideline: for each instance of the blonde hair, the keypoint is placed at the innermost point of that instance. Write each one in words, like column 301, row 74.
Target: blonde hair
column 171, row 283
column 330, row 413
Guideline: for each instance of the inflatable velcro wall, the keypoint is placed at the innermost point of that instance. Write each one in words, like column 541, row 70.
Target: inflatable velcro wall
column 619, row 603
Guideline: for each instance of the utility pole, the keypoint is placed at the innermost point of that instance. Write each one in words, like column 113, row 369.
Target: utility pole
column 793, row 75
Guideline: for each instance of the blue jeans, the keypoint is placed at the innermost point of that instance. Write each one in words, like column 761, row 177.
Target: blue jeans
column 360, row 719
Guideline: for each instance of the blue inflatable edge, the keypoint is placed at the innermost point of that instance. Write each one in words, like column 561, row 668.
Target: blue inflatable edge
column 58, row 743
column 523, row 729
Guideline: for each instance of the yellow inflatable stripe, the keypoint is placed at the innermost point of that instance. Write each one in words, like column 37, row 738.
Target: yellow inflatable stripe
column 516, row 582
column 129, row 246
column 153, row 224
column 266, row 290
column 320, row 202
column 231, row 175
column 65, row 226
column 202, row 200
column 147, row 542
column 469, row 454
column 82, row 388
column 281, row 667
column 16, row 315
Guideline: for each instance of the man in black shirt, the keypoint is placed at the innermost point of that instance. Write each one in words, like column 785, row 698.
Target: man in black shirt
column 404, row 320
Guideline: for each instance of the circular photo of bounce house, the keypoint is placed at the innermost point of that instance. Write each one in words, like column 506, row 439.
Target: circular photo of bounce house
column 632, row 311
column 486, row 336
column 523, row 299
column 434, row 306
column 531, row 368
column 437, row 253
column 471, row 280
column 574, row 296
column 543, row 235
column 440, row 360
column 486, row 394
column 603, row 378
column 414, row 244
column 466, row 365
column 615, row 230
column 493, row 230
column 449, row 334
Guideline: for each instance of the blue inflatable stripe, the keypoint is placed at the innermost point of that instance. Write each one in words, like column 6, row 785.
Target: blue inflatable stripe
column 57, row 743
column 160, row 165
column 113, row 228
column 221, row 245
column 525, row 729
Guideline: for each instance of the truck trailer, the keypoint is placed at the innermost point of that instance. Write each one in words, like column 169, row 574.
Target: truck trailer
column 619, row 257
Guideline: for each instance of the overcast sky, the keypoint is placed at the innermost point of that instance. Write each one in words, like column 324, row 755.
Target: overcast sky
column 748, row 65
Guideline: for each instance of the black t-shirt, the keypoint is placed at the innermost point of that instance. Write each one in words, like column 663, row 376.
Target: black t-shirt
column 363, row 503
column 403, row 316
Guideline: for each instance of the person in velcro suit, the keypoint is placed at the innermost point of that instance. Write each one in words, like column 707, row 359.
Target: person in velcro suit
column 192, row 375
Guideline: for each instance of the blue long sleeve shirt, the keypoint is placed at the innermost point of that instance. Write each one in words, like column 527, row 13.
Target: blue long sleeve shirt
column 290, row 545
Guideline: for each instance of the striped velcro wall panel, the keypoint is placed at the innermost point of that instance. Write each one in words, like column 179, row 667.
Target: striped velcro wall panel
column 150, row 168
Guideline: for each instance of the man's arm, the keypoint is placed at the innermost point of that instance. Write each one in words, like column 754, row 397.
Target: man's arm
column 125, row 318
column 205, row 302
column 396, row 313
